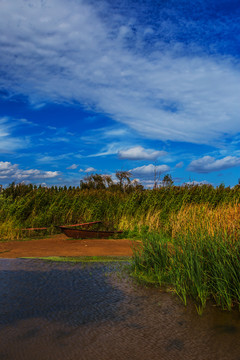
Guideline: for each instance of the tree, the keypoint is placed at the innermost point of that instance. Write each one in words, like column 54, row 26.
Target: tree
column 157, row 176
column 124, row 179
column 107, row 180
column 135, row 185
column 167, row 180
column 96, row 181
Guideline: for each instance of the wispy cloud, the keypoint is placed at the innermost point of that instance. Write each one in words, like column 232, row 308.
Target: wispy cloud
column 209, row 164
column 109, row 135
column 139, row 153
column 52, row 159
column 72, row 167
column 9, row 171
column 58, row 139
column 109, row 149
column 115, row 132
column 179, row 165
column 58, row 51
column 8, row 142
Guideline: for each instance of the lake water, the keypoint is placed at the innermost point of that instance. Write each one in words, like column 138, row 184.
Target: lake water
column 62, row 311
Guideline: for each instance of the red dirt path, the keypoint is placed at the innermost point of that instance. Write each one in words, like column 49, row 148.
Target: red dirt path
column 60, row 245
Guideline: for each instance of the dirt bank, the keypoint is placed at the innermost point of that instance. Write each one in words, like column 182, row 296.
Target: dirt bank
column 60, row 245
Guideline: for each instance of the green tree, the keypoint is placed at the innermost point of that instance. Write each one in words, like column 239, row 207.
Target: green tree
column 124, row 179
column 167, row 180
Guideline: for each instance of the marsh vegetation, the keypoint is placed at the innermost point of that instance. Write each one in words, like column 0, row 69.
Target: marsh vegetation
column 190, row 233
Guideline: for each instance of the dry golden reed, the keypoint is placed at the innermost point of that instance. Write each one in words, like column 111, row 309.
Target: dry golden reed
column 151, row 219
column 194, row 219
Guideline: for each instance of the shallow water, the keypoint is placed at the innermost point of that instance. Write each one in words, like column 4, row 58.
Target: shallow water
column 52, row 311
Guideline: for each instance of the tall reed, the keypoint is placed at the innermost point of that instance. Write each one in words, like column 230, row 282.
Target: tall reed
column 158, row 209
column 224, row 219
column 197, row 254
column 203, row 268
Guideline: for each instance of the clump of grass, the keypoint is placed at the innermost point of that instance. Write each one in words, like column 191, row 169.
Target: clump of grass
column 202, row 268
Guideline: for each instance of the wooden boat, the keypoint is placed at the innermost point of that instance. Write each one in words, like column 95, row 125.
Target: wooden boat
column 85, row 233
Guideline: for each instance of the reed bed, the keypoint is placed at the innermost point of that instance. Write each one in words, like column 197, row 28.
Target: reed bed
column 195, row 219
column 206, row 268
column 23, row 206
column 201, row 258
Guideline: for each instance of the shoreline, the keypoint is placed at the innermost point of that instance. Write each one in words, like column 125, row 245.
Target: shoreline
column 61, row 246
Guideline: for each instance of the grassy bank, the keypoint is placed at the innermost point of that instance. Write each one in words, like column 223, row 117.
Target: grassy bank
column 202, row 265
column 198, row 257
column 24, row 206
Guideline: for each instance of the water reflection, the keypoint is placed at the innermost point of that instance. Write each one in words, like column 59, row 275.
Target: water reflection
column 62, row 311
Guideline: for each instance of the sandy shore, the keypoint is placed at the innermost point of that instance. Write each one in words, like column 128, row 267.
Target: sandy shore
column 60, row 245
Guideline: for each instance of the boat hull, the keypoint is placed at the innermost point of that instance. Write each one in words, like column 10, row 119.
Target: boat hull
column 88, row 234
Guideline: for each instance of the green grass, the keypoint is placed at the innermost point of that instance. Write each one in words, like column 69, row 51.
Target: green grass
column 82, row 259
column 202, row 268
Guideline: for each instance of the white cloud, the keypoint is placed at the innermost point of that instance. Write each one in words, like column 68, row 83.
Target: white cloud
column 10, row 171
column 149, row 184
column 139, row 153
column 208, row 164
column 11, row 144
column 8, row 142
column 72, row 167
column 58, row 139
column 199, row 183
column 179, row 165
column 89, row 169
column 109, row 149
column 52, row 159
column 68, row 52
column 149, row 170
column 27, row 122
column 109, row 133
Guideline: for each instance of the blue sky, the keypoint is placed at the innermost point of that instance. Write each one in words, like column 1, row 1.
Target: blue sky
column 99, row 86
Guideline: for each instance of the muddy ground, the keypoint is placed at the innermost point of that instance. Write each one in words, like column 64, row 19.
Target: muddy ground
column 60, row 245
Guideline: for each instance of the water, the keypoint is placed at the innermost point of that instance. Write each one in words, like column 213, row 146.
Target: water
column 52, row 311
